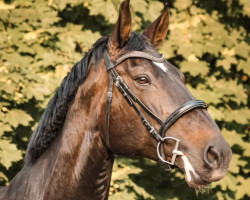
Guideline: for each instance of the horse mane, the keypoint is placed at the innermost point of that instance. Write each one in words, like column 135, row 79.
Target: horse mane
column 54, row 115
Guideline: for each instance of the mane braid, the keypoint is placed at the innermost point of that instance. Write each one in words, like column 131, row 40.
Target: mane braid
column 54, row 115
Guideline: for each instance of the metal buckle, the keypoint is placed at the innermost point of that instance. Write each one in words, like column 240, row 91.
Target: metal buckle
column 175, row 152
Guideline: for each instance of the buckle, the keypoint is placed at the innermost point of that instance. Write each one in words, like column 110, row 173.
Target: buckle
column 175, row 152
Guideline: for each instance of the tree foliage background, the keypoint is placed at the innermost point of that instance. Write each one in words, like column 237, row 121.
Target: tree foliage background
column 40, row 40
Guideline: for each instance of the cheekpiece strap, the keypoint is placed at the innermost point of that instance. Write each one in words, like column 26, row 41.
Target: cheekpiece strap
column 108, row 63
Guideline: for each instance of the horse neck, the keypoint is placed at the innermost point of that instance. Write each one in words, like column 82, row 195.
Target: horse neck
column 77, row 165
column 83, row 164
column 83, row 168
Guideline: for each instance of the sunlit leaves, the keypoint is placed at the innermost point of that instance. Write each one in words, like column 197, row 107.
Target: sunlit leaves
column 246, row 8
column 8, row 154
column 241, row 116
column 226, row 62
column 194, row 68
column 105, row 8
column 15, row 117
column 4, row 127
column 181, row 5
column 242, row 50
column 152, row 11
column 242, row 187
column 245, row 66
column 232, row 137
column 229, row 182
column 139, row 6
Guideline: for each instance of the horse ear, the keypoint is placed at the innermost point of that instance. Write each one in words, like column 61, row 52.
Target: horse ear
column 157, row 31
column 121, row 32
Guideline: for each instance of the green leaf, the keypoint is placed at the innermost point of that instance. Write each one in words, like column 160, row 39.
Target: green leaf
column 3, row 177
column 231, row 90
column 15, row 117
column 139, row 6
column 232, row 137
column 235, row 164
column 61, row 4
column 4, row 128
column 194, row 68
column 8, row 87
column 245, row 66
column 16, row 60
column 181, row 5
column 243, row 187
column 228, row 182
column 105, row 8
column 226, row 62
column 246, row 8
column 216, row 113
column 37, row 91
column 9, row 153
column 241, row 116
column 242, row 50
column 4, row 6
column 205, row 94
column 212, row 47
column 153, row 11
column 246, row 148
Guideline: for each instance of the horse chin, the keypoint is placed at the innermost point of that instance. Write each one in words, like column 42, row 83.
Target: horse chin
column 192, row 178
column 196, row 182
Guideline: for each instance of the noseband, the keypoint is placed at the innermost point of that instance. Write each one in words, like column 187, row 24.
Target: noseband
column 132, row 99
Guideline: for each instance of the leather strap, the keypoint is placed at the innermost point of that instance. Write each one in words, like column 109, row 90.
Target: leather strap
column 135, row 54
column 179, row 112
column 109, row 100
column 108, row 108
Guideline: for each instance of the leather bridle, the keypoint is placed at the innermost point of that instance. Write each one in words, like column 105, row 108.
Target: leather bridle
column 132, row 99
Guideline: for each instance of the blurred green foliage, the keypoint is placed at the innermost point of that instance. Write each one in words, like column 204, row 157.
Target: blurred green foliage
column 209, row 40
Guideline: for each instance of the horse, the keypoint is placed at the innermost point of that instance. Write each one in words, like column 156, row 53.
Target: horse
column 114, row 102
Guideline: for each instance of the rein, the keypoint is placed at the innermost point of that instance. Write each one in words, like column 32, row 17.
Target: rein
column 132, row 99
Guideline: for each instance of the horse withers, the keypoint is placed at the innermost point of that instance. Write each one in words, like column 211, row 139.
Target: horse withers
column 121, row 98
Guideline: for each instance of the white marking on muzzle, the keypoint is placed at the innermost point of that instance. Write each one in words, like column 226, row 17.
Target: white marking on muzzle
column 188, row 168
column 161, row 65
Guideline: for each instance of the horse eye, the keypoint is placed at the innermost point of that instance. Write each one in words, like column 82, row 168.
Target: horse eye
column 142, row 80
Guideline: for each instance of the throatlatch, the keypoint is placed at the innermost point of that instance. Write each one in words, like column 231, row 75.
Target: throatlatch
column 132, row 99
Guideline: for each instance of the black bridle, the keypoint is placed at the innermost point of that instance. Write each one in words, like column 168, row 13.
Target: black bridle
column 132, row 99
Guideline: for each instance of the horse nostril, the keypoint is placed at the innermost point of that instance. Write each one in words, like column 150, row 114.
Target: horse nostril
column 211, row 157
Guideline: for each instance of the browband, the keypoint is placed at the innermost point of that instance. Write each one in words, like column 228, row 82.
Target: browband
column 134, row 54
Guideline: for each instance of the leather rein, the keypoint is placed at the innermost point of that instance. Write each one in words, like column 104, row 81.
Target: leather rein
column 132, row 99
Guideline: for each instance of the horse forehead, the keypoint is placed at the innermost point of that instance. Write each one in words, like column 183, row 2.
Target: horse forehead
column 161, row 65
column 135, row 62
column 159, row 69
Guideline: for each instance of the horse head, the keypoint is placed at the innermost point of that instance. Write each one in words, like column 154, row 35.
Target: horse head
column 202, row 152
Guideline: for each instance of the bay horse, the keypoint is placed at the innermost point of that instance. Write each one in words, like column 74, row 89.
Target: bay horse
column 113, row 102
